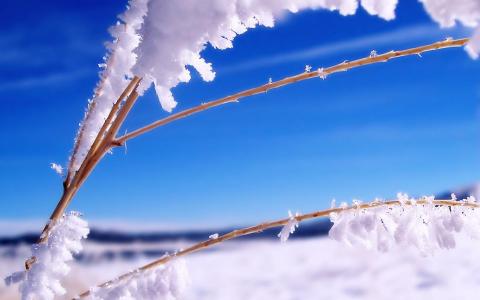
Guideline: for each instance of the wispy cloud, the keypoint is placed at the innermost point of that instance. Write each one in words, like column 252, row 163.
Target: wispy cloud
column 53, row 52
column 390, row 38
column 41, row 81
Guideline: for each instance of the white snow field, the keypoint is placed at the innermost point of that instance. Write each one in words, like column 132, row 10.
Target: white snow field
column 313, row 268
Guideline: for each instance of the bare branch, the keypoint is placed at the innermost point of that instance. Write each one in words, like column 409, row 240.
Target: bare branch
column 99, row 147
column 273, row 224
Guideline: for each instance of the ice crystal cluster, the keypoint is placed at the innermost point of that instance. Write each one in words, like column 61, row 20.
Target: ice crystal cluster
column 166, row 282
column 57, row 168
column 43, row 279
column 289, row 228
column 421, row 223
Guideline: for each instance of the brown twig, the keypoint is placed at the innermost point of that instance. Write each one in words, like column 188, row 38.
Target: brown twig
column 100, row 146
column 448, row 43
column 267, row 225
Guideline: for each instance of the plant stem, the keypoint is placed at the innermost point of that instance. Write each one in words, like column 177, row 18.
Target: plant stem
column 267, row 225
column 100, row 146
column 448, row 43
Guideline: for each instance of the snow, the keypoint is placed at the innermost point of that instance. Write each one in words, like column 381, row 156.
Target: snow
column 166, row 282
column 314, row 268
column 43, row 280
column 383, row 8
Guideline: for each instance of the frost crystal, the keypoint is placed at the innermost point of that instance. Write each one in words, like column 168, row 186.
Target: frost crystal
column 470, row 199
column 321, row 73
column 166, row 282
column 373, row 54
column 57, row 168
column 289, row 228
column 308, row 68
column 333, row 203
column 43, row 279
column 213, row 236
column 426, row 226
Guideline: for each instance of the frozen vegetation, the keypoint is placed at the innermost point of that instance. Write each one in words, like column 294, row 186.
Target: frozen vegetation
column 153, row 41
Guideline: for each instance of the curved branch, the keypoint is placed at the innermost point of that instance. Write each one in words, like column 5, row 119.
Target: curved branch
column 267, row 225
column 373, row 58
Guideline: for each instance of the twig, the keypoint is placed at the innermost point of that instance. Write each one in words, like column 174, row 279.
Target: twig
column 267, row 225
column 99, row 147
column 448, row 43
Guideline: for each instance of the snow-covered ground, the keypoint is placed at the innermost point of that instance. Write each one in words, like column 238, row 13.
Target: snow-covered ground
column 314, row 268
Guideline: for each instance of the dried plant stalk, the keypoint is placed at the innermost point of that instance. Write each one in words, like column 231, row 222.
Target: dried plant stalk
column 93, row 155
column 273, row 224
column 99, row 147
column 448, row 43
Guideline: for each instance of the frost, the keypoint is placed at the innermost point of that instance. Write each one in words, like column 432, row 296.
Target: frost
column 467, row 12
column 424, row 225
column 333, row 203
column 308, row 68
column 321, row 73
column 473, row 47
column 169, row 44
column 383, row 8
column 166, row 282
column 356, row 203
column 57, row 168
column 114, row 77
column 43, row 279
column 213, row 236
column 289, row 228
column 470, row 199
column 373, row 54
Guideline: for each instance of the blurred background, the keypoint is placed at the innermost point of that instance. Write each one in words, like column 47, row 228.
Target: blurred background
column 410, row 125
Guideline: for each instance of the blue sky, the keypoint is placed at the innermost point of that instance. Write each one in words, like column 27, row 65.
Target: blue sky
column 409, row 125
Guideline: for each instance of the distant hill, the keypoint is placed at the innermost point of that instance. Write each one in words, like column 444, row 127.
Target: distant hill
column 307, row 229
